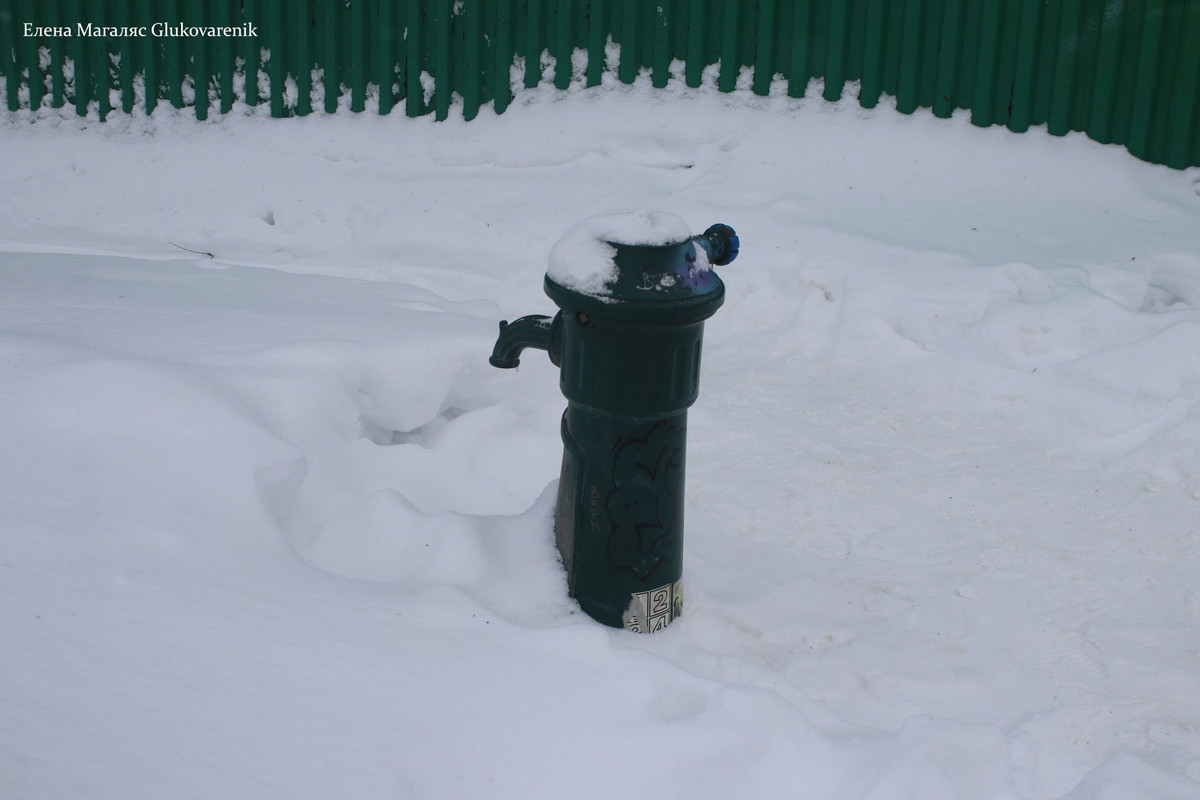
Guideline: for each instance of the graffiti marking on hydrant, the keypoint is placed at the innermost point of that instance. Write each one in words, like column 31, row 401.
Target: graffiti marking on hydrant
column 594, row 509
column 643, row 507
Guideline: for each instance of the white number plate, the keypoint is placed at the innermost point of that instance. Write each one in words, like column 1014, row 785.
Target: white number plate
column 653, row 610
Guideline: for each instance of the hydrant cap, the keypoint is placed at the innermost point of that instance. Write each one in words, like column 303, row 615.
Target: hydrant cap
column 640, row 264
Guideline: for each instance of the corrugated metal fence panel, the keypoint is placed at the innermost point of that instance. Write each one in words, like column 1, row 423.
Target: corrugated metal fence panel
column 1125, row 71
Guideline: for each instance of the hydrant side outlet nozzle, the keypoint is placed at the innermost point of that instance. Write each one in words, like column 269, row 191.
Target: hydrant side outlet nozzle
column 536, row 330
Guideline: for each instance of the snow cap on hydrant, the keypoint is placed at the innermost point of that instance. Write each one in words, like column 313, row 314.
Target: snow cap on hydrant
column 639, row 257
column 634, row 289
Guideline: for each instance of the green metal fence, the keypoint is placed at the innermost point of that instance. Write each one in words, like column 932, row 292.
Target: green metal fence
column 1125, row 71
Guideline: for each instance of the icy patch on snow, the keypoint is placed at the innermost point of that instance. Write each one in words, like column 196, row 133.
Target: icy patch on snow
column 582, row 259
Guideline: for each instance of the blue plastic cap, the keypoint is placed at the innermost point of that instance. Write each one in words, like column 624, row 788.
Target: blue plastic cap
column 720, row 242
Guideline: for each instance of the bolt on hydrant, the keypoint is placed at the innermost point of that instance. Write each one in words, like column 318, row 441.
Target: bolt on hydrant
column 634, row 290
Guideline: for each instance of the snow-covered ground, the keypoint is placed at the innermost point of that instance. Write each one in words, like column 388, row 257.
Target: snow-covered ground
column 270, row 526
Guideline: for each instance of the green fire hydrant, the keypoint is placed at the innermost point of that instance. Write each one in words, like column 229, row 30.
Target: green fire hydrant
column 634, row 291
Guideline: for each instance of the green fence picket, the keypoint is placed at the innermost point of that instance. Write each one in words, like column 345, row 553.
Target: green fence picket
column 694, row 61
column 502, row 56
column 871, row 88
column 251, row 54
column 764, row 47
column 148, row 57
column 982, row 112
column 948, row 65
column 835, row 58
column 1087, row 29
column 330, row 79
column 1127, row 50
column 356, row 54
column 29, row 56
column 856, row 26
column 223, row 68
column 98, row 54
column 196, row 67
column 1144, row 86
column 414, row 103
column 908, row 91
column 298, row 42
column 1171, row 48
column 471, row 76
column 730, row 64
column 927, row 47
column 663, row 16
column 1062, row 94
column 799, row 70
column 533, row 43
column 8, row 55
column 1025, row 64
column 383, row 64
column 57, row 57
column 441, row 50
column 1184, row 105
column 1006, row 63
column 562, row 46
column 597, row 41
column 1103, row 85
column 79, row 62
column 628, row 69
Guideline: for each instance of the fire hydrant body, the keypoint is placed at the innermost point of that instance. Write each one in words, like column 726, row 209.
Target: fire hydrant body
column 627, row 341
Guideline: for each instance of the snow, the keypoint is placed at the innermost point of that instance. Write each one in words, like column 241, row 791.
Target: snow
column 582, row 259
column 270, row 525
